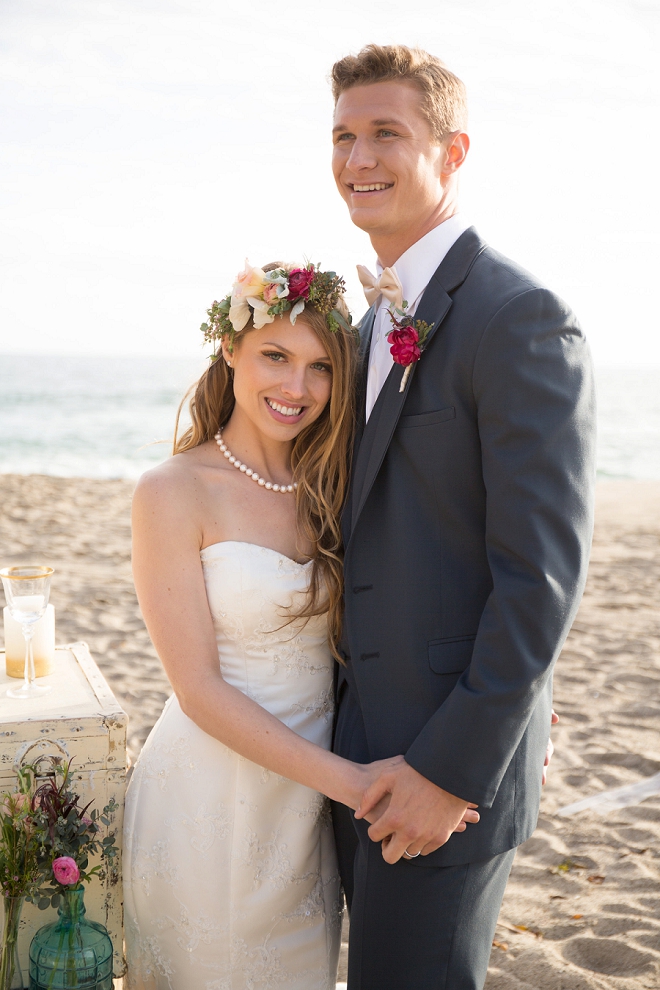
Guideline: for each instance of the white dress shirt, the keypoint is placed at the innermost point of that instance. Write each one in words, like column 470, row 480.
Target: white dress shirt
column 414, row 268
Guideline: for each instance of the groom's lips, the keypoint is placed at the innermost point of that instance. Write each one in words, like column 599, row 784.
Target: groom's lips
column 368, row 188
column 281, row 417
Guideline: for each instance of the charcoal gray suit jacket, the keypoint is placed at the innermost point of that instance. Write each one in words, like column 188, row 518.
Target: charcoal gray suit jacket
column 467, row 535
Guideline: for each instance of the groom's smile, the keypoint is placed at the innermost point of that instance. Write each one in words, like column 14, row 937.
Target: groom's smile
column 374, row 187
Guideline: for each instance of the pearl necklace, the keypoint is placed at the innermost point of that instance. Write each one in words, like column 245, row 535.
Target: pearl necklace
column 244, row 469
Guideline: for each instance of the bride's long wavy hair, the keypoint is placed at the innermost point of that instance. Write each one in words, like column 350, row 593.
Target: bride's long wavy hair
column 320, row 458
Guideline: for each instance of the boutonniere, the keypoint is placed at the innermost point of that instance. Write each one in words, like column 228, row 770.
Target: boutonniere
column 407, row 339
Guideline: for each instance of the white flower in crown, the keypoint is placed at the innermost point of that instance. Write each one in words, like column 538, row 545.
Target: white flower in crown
column 249, row 285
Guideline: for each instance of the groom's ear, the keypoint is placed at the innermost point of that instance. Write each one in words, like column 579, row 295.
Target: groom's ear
column 458, row 145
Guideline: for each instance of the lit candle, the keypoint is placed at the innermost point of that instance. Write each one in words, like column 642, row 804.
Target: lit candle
column 43, row 644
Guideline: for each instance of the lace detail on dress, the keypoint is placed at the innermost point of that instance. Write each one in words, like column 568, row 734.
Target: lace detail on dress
column 314, row 809
column 295, row 661
column 152, row 864
column 311, row 906
column 147, row 960
column 204, row 827
column 261, row 966
column 160, row 759
column 323, row 706
column 191, row 930
column 270, row 861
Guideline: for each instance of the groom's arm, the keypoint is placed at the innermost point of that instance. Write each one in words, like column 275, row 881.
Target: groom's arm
column 533, row 389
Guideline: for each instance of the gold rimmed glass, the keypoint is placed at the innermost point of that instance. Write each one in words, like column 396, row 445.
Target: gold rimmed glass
column 27, row 589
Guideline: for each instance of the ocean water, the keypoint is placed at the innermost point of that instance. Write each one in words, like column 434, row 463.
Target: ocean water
column 90, row 417
column 113, row 417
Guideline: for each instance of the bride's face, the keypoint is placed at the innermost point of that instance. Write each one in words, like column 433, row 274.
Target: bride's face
column 282, row 377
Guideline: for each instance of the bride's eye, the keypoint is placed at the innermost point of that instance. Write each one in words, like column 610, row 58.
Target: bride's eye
column 320, row 366
column 274, row 356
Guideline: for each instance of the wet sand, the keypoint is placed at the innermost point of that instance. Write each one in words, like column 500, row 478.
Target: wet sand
column 582, row 909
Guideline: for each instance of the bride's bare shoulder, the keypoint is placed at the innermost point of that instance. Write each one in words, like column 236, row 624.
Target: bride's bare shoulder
column 177, row 487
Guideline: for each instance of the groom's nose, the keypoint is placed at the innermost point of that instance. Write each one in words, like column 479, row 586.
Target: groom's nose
column 362, row 155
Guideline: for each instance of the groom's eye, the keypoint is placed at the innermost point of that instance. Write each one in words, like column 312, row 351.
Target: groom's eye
column 386, row 133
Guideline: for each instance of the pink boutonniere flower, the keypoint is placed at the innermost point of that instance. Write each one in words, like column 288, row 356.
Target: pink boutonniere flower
column 407, row 340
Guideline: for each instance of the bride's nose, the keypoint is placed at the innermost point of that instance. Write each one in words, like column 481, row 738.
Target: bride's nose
column 293, row 385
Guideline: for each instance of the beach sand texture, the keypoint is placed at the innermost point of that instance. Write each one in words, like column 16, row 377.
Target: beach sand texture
column 582, row 910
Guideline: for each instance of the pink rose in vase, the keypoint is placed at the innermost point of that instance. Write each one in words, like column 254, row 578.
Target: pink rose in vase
column 65, row 870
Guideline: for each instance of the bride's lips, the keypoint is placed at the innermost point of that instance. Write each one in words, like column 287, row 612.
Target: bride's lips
column 288, row 417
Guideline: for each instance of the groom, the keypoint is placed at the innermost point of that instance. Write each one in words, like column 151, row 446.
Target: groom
column 467, row 534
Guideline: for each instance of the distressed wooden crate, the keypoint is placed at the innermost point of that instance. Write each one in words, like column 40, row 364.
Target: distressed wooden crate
column 80, row 719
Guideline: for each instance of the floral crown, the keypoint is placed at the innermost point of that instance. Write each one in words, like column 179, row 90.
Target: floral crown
column 265, row 295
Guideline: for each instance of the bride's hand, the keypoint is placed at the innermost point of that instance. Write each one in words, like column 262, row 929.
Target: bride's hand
column 371, row 773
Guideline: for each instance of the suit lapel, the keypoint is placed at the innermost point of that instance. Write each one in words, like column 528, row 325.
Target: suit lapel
column 365, row 328
column 433, row 308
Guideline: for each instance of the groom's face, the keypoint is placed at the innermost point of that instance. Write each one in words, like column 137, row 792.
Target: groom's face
column 386, row 161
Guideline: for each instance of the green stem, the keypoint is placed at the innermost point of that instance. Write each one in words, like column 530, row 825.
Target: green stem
column 13, row 907
column 71, row 912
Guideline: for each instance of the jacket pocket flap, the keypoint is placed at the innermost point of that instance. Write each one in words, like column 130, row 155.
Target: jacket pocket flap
column 450, row 656
column 428, row 418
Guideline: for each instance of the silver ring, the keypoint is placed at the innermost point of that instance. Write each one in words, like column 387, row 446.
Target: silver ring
column 411, row 855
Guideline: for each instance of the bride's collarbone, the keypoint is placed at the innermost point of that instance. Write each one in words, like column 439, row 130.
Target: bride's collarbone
column 234, row 512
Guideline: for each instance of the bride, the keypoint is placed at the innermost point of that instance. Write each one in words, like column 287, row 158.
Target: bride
column 231, row 881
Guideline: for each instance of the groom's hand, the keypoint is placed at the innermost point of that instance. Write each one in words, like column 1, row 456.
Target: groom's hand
column 420, row 816
column 550, row 750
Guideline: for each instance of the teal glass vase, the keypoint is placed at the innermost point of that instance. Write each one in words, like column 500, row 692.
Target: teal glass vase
column 71, row 953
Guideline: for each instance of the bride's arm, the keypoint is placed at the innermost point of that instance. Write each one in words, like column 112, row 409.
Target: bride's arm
column 171, row 592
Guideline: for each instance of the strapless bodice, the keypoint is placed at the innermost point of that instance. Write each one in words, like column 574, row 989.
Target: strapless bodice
column 285, row 666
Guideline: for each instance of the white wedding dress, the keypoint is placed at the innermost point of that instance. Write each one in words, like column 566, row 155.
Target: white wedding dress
column 230, row 875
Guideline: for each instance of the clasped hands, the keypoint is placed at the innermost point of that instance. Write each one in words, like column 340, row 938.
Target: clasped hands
column 409, row 814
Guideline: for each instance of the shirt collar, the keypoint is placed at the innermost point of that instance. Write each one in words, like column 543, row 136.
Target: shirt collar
column 416, row 266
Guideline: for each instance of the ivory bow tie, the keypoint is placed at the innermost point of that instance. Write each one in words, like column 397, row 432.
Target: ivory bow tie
column 387, row 285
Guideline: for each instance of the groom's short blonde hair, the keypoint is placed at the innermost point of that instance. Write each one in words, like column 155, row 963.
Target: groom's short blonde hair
column 444, row 101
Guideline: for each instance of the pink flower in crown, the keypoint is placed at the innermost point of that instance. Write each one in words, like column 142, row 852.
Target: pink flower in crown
column 270, row 293
column 66, row 870
column 300, row 280
column 250, row 282
column 404, row 345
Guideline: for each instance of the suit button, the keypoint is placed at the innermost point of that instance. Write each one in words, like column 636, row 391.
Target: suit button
column 362, row 587
column 369, row 656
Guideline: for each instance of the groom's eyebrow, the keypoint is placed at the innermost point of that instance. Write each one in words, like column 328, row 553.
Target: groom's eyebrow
column 374, row 123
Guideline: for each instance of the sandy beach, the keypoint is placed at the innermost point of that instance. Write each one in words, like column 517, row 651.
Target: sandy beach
column 582, row 910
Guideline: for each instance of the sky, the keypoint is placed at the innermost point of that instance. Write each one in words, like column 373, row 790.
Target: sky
column 149, row 146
